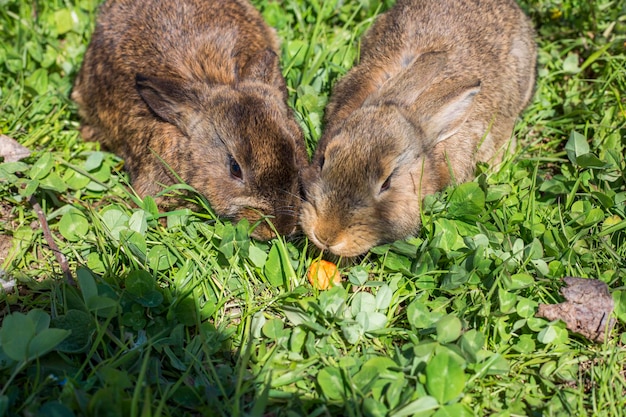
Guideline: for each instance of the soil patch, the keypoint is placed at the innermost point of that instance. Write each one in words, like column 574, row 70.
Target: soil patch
column 6, row 239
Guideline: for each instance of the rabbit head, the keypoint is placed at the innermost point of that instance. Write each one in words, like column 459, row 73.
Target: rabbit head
column 239, row 146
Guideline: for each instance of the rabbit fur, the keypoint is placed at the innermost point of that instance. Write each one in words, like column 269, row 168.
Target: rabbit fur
column 192, row 90
column 438, row 88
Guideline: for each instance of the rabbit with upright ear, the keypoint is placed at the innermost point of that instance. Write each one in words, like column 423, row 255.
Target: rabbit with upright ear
column 192, row 90
column 438, row 88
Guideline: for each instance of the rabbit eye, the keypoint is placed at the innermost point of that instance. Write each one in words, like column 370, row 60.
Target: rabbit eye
column 386, row 184
column 235, row 169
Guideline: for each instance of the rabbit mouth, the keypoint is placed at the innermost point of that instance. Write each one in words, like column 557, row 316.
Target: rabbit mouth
column 264, row 231
column 267, row 226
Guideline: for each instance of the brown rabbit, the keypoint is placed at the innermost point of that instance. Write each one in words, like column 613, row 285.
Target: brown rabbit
column 438, row 88
column 193, row 89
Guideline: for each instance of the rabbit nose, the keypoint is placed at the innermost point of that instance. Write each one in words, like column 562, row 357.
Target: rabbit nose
column 335, row 244
column 323, row 238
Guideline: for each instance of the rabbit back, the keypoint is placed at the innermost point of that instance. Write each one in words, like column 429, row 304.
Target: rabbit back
column 491, row 42
column 193, row 40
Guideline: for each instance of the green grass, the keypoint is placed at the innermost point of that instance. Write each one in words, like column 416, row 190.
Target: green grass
column 181, row 314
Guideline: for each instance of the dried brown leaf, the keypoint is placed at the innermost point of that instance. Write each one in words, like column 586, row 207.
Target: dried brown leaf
column 588, row 307
column 11, row 150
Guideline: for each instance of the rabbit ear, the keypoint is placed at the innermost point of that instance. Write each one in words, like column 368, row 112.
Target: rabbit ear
column 407, row 85
column 443, row 109
column 264, row 67
column 166, row 97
